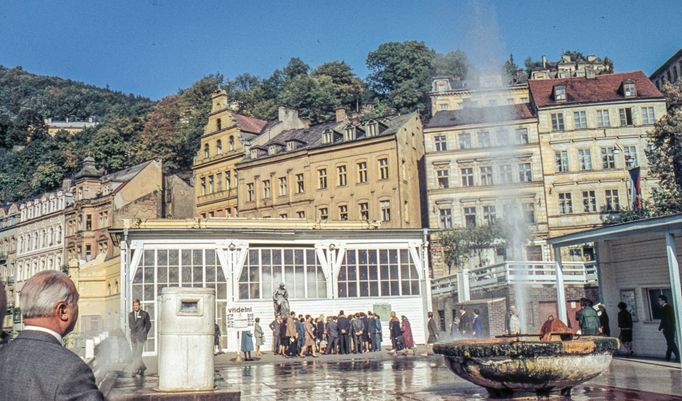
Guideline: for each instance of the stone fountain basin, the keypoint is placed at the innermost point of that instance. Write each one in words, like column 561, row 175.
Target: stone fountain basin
column 508, row 366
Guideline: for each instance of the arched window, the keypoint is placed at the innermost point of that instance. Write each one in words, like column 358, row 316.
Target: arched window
column 116, row 287
column 59, row 234
column 218, row 124
column 219, row 146
column 206, row 151
column 231, row 143
column 50, row 239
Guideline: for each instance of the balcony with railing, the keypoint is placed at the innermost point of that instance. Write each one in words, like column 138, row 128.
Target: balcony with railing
column 510, row 273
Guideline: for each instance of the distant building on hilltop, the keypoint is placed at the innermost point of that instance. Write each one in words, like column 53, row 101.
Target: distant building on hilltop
column 72, row 127
column 566, row 67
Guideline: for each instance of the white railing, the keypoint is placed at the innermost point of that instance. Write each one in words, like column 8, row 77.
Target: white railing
column 509, row 273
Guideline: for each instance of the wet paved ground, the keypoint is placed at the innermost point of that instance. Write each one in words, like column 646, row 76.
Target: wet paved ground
column 408, row 378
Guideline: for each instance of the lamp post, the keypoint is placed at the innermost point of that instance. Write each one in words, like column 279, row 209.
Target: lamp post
column 627, row 160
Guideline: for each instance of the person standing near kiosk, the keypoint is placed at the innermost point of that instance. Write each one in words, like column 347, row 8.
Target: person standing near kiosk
column 140, row 324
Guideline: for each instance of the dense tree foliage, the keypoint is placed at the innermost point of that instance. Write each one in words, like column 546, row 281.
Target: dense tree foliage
column 665, row 154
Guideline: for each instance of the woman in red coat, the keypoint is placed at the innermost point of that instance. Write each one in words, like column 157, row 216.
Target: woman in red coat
column 407, row 336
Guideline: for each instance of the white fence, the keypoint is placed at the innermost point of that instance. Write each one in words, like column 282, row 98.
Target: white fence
column 508, row 273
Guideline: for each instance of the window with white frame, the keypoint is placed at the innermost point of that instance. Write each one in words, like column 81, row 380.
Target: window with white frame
column 372, row 272
column 522, row 136
column 383, row 169
column 612, row 200
column 484, row 139
column 557, row 121
column 525, row 172
column 648, row 116
column 282, row 186
column 470, row 216
column 443, row 177
column 465, row 141
column 266, row 189
column 467, row 177
column 250, row 192
column 565, row 203
column 323, row 213
column 506, row 174
column 579, row 119
column 445, row 217
column 585, row 159
column 608, row 158
column 322, row 178
column 489, row 214
column 364, row 210
column 300, row 183
column 561, row 161
column 362, row 171
column 589, row 201
column 529, row 212
column 625, row 116
column 385, row 207
column 630, row 154
column 343, row 212
column 341, row 177
column 487, row 175
column 441, row 143
column 603, row 119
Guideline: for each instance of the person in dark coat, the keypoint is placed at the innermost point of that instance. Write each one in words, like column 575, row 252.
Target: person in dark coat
column 283, row 339
column 433, row 334
column 477, row 325
column 319, row 332
column 465, row 321
column 371, row 331
column 587, row 318
column 668, row 327
column 332, row 336
column 604, row 325
column 216, row 340
column 300, row 331
column 377, row 338
column 358, row 329
column 396, row 333
column 365, row 337
column 140, row 324
column 625, row 325
column 344, row 333
column 275, row 328
column 408, row 339
column 291, row 336
column 36, row 366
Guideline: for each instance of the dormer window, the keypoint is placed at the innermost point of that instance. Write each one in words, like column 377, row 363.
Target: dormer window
column 272, row 149
column 350, row 133
column 254, row 153
column 327, row 136
column 291, row 145
column 372, row 128
column 560, row 93
column 629, row 88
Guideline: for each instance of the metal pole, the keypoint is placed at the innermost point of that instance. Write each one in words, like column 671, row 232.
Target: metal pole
column 560, row 290
column 674, row 269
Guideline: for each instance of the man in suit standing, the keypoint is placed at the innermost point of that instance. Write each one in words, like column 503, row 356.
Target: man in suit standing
column 36, row 366
column 344, row 333
column 433, row 334
column 476, row 326
column 332, row 336
column 668, row 327
column 139, row 323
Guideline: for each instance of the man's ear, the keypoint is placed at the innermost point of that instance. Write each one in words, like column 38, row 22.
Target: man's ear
column 61, row 311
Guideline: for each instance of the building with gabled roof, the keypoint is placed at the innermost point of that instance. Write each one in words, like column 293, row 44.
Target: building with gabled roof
column 227, row 138
column 349, row 169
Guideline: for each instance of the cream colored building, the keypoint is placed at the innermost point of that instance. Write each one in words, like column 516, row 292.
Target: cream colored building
column 487, row 91
column 592, row 132
column 71, row 127
column 483, row 164
column 341, row 170
column 670, row 71
column 226, row 140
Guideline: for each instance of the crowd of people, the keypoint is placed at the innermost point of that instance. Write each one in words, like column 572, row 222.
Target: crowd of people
column 357, row 333
column 467, row 324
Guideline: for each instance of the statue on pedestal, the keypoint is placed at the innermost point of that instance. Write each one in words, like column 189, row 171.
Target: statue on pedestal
column 281, row 301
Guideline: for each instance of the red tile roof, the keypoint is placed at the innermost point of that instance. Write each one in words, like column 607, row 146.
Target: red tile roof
column 249, row 124
column 606, row 87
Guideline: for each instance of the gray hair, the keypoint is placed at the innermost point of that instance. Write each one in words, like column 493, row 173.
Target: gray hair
column 42, row 292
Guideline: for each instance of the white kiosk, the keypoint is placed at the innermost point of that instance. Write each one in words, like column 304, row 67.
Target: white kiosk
column 186, row 337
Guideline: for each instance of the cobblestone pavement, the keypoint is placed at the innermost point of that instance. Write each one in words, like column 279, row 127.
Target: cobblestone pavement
column 409, row 378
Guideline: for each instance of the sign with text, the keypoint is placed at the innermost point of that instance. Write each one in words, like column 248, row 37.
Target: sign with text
column 240, row 317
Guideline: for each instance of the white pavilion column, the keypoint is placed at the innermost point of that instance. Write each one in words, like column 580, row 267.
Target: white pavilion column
column 674, row 270
column 560, row 290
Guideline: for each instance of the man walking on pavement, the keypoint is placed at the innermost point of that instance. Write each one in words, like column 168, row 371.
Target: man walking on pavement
column 668, row 327
column 139, row 323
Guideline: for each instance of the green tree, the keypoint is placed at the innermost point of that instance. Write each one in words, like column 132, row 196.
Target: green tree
column 313, row 97
column 665, row 153
column 510, row 68
column 295, row 68
column 348, row 88
column 401, row 74
column 455, row 64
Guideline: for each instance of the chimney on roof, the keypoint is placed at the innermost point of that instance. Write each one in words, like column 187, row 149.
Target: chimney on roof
column 590, row 72
column 341, row 115
column 355, row 117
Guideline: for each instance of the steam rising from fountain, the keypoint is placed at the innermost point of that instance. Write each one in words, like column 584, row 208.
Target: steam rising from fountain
column 487, row 57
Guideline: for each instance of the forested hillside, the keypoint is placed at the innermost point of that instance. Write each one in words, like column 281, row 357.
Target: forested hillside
column 133, row 129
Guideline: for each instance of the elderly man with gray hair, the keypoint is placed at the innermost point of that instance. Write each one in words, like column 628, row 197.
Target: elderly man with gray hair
column 36, row 366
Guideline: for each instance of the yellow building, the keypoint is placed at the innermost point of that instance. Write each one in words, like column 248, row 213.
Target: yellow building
column 71, row 127
column 488, row 90
column 593, row 131
column 335, row 171
column 483, row 164
column 227, row 138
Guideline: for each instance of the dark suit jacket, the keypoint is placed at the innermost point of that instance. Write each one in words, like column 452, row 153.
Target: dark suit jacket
column 344, row 324
column 139, row 328
column 36, row 367
column 667, row 319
